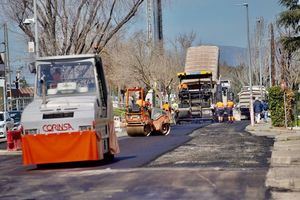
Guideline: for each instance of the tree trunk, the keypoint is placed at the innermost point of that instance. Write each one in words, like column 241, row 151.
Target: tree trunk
column 273, row 72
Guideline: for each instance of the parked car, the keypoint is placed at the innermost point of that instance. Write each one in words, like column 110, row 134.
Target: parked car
column 16, row 116
column 6, row 123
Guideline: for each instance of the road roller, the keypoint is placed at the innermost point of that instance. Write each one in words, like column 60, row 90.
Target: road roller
column 142, row 118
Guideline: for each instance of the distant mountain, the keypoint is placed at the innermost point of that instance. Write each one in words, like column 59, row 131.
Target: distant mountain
column 232, row 56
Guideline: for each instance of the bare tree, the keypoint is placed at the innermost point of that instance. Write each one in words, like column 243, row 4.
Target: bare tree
column 182, row 43
column 237, row 75
column 260, row 52
column 136, row 64
column 73, row 26
column 288, row 61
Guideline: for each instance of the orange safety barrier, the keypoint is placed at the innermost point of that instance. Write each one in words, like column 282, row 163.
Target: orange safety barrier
column 14, row 140
column 61, row 147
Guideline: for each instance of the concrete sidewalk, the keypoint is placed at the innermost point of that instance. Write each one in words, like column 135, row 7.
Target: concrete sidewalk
column 266, row 129
column 283, row 178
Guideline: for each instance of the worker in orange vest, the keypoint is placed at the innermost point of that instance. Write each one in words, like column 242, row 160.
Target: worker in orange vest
column 182, row 86
column 166, row 107
column 140, row 102
column 229, row 108
column 220, row 110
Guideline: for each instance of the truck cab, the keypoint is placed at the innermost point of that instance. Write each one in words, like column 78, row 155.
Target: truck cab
column 71, row 97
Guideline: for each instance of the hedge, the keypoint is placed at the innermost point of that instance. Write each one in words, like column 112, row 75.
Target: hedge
column 119, row 112
column 276, row 106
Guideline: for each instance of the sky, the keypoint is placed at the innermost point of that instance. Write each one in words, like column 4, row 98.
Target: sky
column 220, row 22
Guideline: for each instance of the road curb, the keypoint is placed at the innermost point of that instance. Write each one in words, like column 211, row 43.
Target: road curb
column 10, row 153
column 269, row 130
column 284, row 195
column 287, row 145
column 288, row 136
column 285, row 157
column 284, row 178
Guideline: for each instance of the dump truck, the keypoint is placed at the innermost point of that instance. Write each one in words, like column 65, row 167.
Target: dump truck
column 142, row 118
column 70, row 118
column 197, row 88
column 244, row 99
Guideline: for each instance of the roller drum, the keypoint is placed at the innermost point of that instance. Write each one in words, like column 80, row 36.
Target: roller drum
column 184, row 113
column 142, row 130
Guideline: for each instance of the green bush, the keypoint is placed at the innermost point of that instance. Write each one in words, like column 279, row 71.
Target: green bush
column 119, row 112
column 276, row 106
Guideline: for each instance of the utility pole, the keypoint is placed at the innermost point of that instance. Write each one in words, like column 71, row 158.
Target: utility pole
column 158, row 27
column 250, row 66
column 2, row 79
column 259, row 27
column 149, row 21
column 7, row 63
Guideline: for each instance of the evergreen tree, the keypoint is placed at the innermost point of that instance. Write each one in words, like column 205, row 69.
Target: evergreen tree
column 289, row 19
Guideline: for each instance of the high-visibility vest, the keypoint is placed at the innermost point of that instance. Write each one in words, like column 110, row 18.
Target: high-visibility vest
column 220, row 105
column 139, row 102
column 183, row 86
column 166, row 107
column 230, row 104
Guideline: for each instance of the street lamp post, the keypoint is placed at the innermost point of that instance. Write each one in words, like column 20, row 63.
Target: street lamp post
column 259, row 27
column 35, row 29
column 3, row 81
column 250, row 67
column 35, row 22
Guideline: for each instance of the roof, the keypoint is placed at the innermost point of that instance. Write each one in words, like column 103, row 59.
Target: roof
column 23, row 92
column 203, row 58
column 27, row 90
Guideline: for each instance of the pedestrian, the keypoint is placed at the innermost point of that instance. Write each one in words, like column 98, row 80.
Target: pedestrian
column 174, row 106
column 265, row 108
column 257, row 107
column 174, row 109
column 220, row 111
column 229, row 109
column 213, row 109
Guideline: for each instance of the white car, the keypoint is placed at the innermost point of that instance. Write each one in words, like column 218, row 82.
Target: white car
column 6, row 123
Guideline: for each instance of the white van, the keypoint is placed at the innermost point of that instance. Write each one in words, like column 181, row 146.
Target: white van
column 6, row 123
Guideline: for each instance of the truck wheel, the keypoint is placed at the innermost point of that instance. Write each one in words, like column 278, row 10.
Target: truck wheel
column 165, row 130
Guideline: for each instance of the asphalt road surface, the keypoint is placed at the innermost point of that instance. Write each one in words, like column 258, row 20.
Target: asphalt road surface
column 188, row 170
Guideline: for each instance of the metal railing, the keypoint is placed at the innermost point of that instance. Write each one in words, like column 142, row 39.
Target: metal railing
column 19, row 103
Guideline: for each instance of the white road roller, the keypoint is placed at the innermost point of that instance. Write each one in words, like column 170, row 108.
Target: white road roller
column 70, row 118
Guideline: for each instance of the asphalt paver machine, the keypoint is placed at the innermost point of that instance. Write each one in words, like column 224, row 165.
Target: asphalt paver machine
column 196, row 96
column 198, row 83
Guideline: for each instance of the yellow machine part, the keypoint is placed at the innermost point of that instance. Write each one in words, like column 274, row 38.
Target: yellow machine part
column 138, row 130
